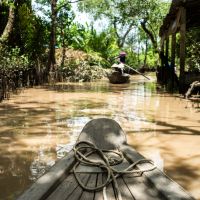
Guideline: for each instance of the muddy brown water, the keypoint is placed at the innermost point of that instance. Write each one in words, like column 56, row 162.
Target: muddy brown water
column 40, row 125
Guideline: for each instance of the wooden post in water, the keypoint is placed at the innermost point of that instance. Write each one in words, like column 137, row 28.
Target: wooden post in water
column 162, row 51
column 173, row 50
column 173, row 56
column 167, row 48
column 182, row 48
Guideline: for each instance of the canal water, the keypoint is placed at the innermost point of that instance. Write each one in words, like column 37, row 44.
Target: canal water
column 40, row 125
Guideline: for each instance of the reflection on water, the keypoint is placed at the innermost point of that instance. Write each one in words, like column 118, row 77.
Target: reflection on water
column 76, row 124
column 41, row 125
column 40, row 164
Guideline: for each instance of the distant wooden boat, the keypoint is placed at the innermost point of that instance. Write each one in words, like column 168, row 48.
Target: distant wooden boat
column 146, row 183
column 117, row 77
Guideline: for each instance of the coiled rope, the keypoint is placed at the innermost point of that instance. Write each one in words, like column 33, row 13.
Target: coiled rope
column 84, row 149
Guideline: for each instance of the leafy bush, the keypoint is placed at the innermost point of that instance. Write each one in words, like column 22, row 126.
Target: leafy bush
column 76, row 71
column 11, row 61
column 79, row 66
column 192, row 50
column 12, row 68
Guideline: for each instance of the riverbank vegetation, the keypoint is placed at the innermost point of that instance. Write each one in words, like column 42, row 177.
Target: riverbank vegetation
column 42, row 40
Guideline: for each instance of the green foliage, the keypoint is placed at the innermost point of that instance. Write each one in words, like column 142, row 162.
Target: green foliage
column 104, row 43
column 95, row 59
column 125, row 17
column 192, row 50
column 102, row 46
column 65, row 26
column 131, row 59
column 12, row 67
column 12, row 61
column 79, row 66
column 33, row 32
column 80, row 71
column 3, row 16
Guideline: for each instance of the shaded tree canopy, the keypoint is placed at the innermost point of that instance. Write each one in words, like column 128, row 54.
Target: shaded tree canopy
column 34, row 31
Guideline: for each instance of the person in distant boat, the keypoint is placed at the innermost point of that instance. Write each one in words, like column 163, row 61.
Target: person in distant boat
column 122, row 58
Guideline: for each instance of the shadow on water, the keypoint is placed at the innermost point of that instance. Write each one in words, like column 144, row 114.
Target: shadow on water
column 41, row 125
column 170, row 129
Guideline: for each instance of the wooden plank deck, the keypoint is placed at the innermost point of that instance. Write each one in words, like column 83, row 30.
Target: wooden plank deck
column 132, row 187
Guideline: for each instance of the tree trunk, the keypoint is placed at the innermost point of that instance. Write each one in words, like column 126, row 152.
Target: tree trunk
column 9, row 26
column 151, row 36
column 154, row 42
column 52, row 60
column 146, row 51
column 121, row 39
column 138, row 50
column 63, row 43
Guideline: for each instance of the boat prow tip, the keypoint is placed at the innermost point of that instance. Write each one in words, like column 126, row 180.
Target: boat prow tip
column 104, row 132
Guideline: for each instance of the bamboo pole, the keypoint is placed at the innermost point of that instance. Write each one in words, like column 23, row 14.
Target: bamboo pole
column 137, row 71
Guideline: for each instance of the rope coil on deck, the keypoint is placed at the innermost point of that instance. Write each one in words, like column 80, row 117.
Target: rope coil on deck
column 83, row 149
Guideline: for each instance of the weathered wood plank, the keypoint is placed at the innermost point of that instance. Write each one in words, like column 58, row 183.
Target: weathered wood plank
column 109, row 190
column 77, row 193
column 122, row 166
column 169, row 189
column 99, row 194
column 43, row 187
column 104, row 133
column 91, row 183
column 125, row 192
column 67, row 187
column 141, row 189
column 81, row 168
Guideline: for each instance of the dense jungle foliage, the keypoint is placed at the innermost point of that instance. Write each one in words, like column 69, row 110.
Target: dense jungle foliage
column 39, row 38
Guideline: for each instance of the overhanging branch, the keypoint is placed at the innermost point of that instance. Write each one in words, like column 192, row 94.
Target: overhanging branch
column 150, row 34
column 63, row 5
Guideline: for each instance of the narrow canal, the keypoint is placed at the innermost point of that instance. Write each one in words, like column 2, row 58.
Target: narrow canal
column 40, row 125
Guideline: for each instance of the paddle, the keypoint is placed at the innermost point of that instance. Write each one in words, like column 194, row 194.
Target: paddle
column 137, row 71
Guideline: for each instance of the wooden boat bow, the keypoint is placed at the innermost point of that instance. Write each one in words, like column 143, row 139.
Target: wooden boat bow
column 105, row 134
